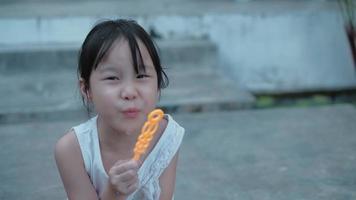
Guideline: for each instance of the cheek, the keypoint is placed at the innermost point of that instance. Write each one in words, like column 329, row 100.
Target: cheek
column 151, row 96
column 102, row 96
column 151, row 89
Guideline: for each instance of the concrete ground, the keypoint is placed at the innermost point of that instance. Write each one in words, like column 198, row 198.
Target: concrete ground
column 284, row 153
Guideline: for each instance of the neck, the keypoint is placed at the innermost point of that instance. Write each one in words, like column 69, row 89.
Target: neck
column 115, row 139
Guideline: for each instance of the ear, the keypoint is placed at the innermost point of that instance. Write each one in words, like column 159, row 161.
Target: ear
column 84, row 90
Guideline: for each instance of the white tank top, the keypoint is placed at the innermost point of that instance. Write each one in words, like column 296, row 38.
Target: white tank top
column 149, row 172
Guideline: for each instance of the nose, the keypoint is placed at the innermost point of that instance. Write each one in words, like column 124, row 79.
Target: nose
column 128, row 92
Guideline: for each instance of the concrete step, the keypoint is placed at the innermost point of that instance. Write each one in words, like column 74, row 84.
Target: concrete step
column 29, row 57
column 198, row 89
column 54, row 95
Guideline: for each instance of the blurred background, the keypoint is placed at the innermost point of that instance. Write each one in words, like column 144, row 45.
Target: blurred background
column 266, row 90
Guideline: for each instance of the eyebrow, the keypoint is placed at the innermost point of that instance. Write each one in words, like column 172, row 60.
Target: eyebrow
column 110, row 68
column 107, row 68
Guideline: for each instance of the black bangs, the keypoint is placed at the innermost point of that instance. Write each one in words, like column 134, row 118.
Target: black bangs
column 137, row 60
column 116, row 32
column 133, row 32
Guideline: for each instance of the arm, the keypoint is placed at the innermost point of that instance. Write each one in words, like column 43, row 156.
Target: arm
column 76, row 180
column 71, row 169
column 167, row 179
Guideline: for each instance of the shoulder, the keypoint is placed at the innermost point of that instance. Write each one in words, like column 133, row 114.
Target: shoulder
column 170, row 133
column 161, row 130
column 72, row 140
column 163, row 125
column 169, row 142
column 175, row 132
column 67, row 141
column 67, row 146
column 71, row 168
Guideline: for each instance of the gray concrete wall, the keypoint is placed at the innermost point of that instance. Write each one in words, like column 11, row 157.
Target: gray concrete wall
column 275, row 52
column 262, row 47
column 293, row 51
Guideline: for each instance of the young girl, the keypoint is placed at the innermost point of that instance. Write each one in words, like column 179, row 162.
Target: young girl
column 121, row 76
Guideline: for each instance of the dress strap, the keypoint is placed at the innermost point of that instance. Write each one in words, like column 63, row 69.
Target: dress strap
column 162, row 153
column 86, row 136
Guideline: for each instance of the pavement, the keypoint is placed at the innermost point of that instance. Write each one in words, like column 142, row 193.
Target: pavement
column 281, row 153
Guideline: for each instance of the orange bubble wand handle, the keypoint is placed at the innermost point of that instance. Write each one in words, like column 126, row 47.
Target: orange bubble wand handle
column 147, row 132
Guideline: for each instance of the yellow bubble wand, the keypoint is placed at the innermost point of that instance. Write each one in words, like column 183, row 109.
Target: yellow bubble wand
column 147, row 132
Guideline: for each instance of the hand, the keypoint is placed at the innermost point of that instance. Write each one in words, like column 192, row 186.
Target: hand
column 123, row 176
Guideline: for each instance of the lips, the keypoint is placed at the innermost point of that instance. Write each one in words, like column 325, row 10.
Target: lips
column 131, row 112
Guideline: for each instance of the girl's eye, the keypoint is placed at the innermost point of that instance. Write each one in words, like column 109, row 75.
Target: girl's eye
column 142, row 76
column 112, row 78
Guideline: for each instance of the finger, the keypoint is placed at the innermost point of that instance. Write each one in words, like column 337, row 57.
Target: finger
column 139, row 163
column 125, row 187
column 121, row 167
column 126, row 176
column 125, row 161
column 116, row 168
column 128, row 164
column 132, row 180
column 132, row 188
column 134, row 163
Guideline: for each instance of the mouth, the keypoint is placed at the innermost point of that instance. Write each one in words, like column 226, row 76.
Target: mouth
column 131, row 113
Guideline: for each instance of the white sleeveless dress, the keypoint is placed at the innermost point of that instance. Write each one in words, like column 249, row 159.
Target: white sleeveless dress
column 151, row 169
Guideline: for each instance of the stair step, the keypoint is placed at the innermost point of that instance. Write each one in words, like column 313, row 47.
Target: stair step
column 195, row 90
column 39, row 57
column 55, row 95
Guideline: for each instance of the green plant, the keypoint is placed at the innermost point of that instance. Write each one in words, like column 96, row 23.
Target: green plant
column 265, row 102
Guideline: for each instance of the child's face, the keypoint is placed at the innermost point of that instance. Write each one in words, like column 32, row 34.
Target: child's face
column 121, row 97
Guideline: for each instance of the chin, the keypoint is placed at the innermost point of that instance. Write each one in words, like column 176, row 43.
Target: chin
column 132, row 126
